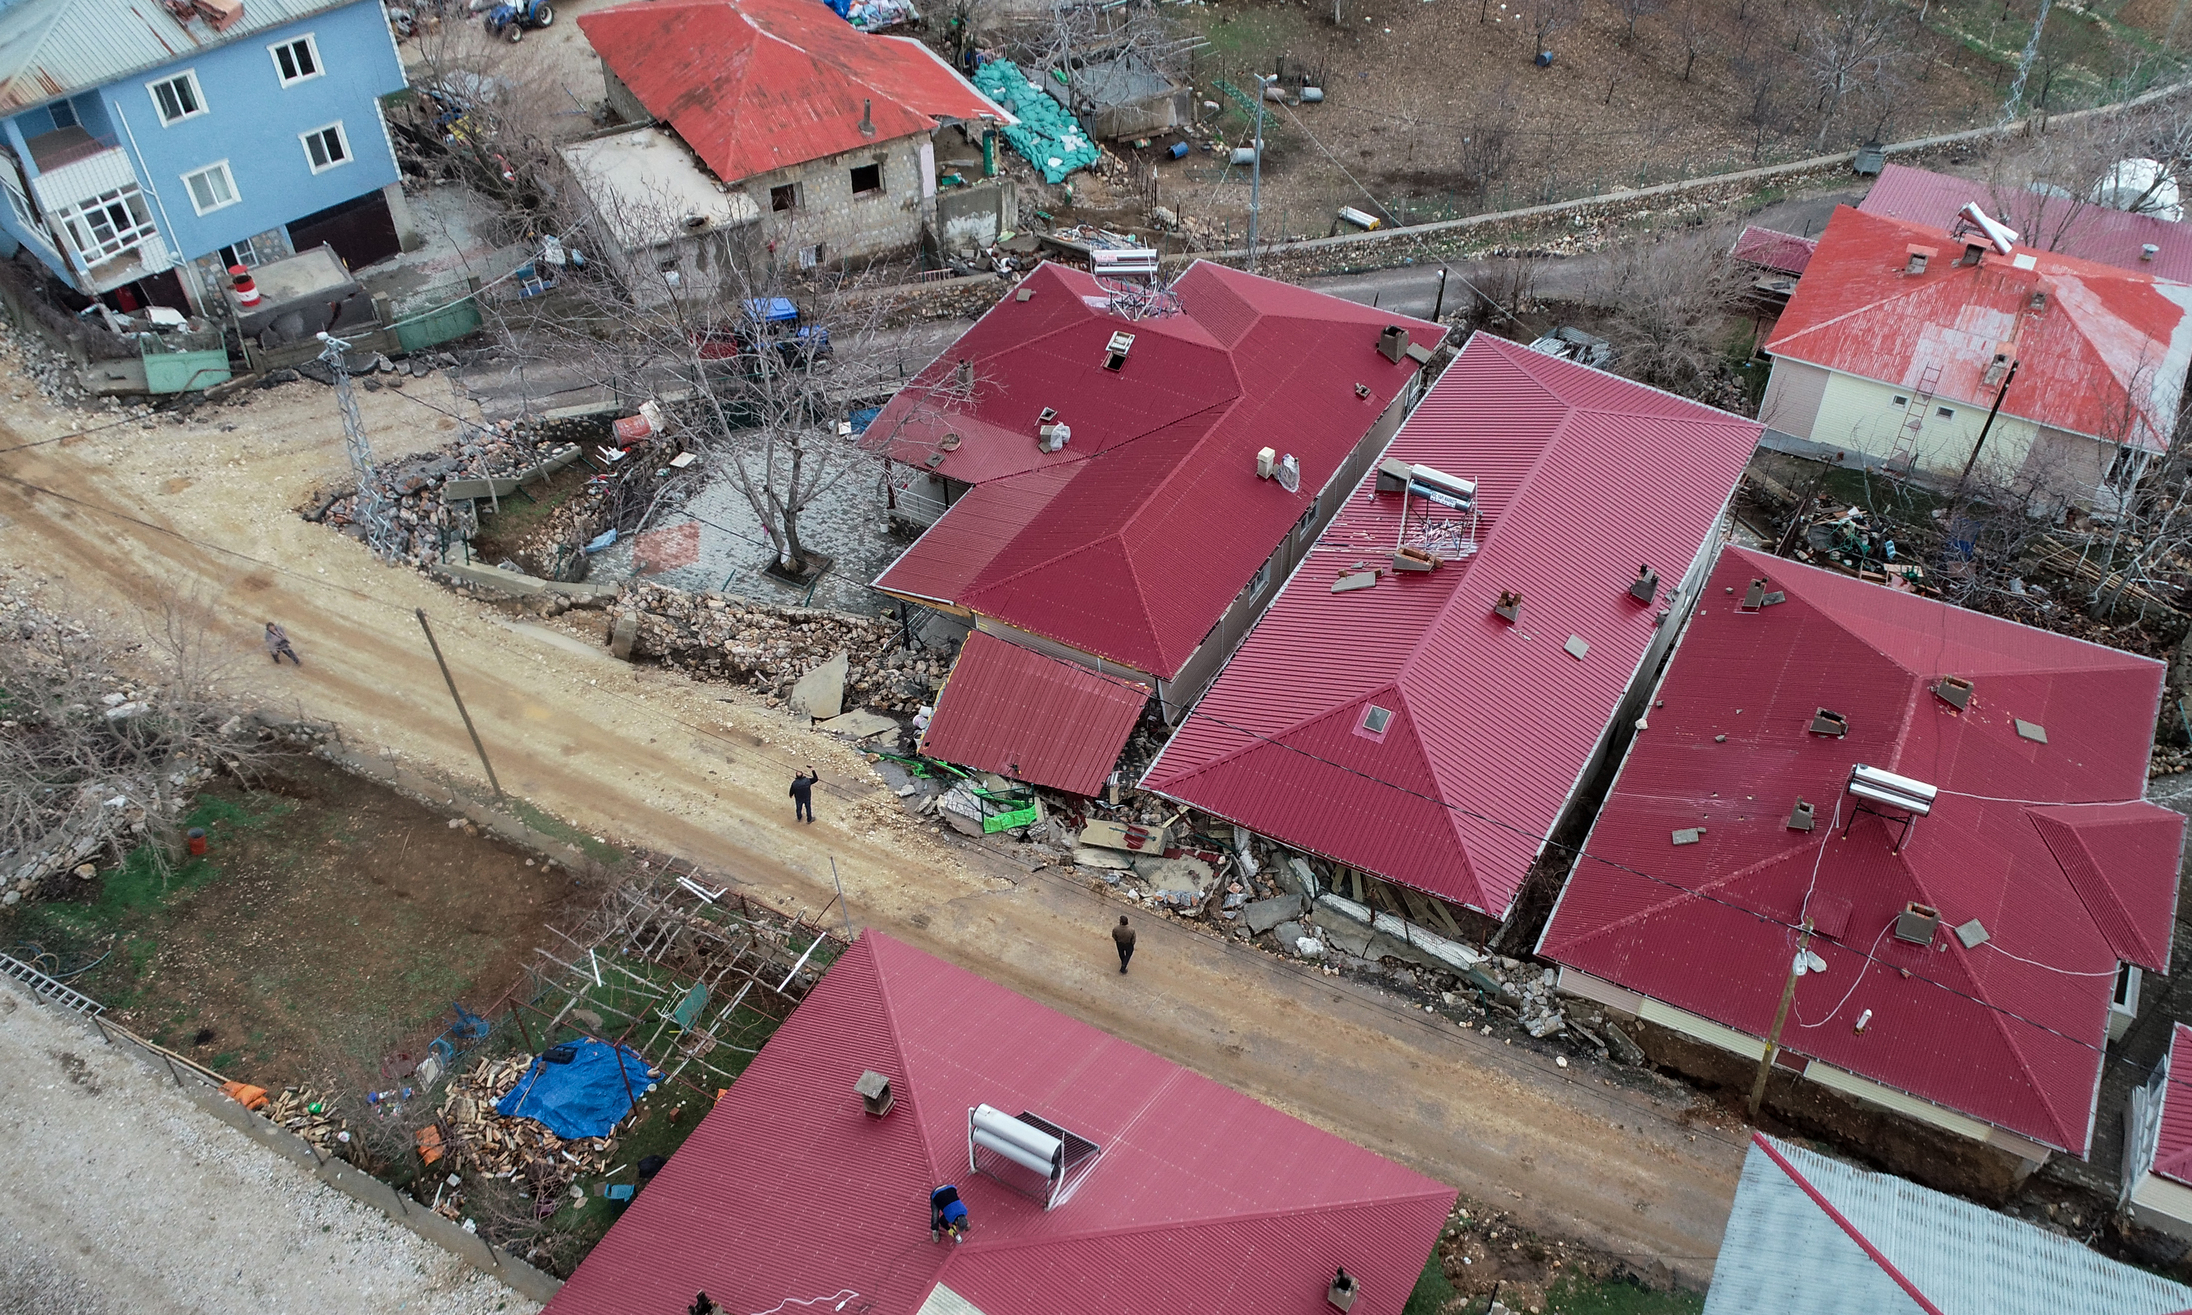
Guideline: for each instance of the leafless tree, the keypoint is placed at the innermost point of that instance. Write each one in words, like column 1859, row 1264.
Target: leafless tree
column 1669, row 312
column 1764, row 74
column 1690, row 26
column 1850, row 49
column 1547, row 17
column 1074, row 36
column 1488, row 142
column 1632, row 10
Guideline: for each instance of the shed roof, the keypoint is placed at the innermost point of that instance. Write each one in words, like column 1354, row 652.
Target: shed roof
column 1783, row 253
column 55, row 48
column 2045, row 221
column 1580, row 478
column 1034, row 718
column 1131, row 541
column 648, row 189
column 788, row 1190
column 2173, row 1146
column 2104, row 354
column 1814, row 1236
column 2040, row 832
column 759, row 85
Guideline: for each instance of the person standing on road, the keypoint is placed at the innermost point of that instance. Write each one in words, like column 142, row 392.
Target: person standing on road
column 803, row 795
column 1123, row 936
column 277, row 645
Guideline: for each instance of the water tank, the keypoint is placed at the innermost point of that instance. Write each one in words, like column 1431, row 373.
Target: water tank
column 2142, row 186
column 1022, row 1143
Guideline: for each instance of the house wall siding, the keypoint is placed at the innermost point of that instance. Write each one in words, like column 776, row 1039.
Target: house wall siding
column 1862, row 416
column 1791, row 403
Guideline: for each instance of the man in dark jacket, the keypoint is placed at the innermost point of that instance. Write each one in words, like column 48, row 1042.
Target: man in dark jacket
column 803, row 795
column 1123, row 936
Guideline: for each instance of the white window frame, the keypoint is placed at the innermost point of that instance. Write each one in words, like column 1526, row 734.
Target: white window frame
column 1261, row 580
column 197, row 94
column 312, row 51
column 227, row 175
column 76, row 223
column 342, row 137
column 11, row 181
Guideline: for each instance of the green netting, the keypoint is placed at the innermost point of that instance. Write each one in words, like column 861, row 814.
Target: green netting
column 1046, row 135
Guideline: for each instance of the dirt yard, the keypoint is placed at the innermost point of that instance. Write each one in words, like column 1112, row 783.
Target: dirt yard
column 319, row 941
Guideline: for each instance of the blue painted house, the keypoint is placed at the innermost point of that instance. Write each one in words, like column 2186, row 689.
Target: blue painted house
column 147, row 145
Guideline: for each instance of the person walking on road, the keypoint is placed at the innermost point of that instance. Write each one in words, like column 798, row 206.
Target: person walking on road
column 277, row 645
column 1123, row 936
column 803, row 795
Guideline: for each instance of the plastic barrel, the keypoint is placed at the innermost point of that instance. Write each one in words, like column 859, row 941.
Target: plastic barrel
column 197, row 837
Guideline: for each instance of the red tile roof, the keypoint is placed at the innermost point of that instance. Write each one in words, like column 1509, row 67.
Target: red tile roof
column 2055, row 223
column 1033, row 718
column 1203, row 1200
column 1580, row 477
column 2173, row 1146
column 2048, row 844
column 759, row 85
column 1131, row 541
column 2106, row 357
column 1783, row 253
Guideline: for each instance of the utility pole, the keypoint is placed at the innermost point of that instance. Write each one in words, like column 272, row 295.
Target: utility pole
column 1439, row 307
column 1255, row 173
column 1992, row 412
column 373, row 512
column 1797, row 968
column 469, row 728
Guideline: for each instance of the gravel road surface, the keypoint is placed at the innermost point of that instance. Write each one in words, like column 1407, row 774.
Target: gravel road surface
column 120, row 1197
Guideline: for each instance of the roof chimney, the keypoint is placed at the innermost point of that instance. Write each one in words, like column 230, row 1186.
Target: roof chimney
column 1645, row 587
column 867, row 118
column 875, row 1093
column 1918, row 257
column 1393, row 343
column 2149, row 251
column 1343, row 1291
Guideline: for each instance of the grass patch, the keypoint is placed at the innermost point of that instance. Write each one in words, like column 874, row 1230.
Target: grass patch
column 1433, row 1290
column 599, row 851
column 1571, row 1295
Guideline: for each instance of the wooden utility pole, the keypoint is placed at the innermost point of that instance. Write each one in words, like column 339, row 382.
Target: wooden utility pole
column 1780, row 1017
column 470, row 729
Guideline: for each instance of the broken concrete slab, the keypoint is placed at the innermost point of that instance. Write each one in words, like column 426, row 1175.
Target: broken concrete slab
column 1091, row 856
column 1133, row 839
column 1625, row 1050
column 623, row 635
column 1349, row 936
column 821, row 692
column 1415, row 941
column 860, row 723
column 1295, row 875
column 1263, row 915
column 1286, row 933
column 1174, row 873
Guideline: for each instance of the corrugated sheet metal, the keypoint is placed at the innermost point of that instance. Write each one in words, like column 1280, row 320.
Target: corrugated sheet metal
column 52, row 48
column 2024, row 1051
column 1841, row 1252
column 758, row 85
column 2173, row 1149
column 1580, row 477
column 1033, row 718
column 788, row 1189
column 2106, row 357
column 1131, row 542
column 2057, row 223
column 1783, row 253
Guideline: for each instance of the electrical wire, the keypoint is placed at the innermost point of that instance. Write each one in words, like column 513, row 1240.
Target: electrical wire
column 2067, row 972
column 1862, row 969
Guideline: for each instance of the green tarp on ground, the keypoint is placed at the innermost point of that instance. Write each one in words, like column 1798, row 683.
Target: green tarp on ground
column 1046, row 135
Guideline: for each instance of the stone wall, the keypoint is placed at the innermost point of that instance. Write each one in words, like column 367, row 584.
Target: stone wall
column 768, row 648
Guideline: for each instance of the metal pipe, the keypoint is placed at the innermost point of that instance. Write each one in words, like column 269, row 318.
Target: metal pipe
column 1438, row 307
column 470, row 729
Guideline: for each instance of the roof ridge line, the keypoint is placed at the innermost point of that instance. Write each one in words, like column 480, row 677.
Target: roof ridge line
column 1999, row 1018
column 1682, row 893
column 1843, row 1222
column 1274, row 739
column 898, row 1044
column 1207, row 1221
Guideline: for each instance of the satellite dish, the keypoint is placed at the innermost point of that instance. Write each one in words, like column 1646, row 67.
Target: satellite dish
column 1289, row 473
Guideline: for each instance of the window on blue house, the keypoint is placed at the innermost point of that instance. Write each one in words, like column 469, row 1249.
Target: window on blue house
column 107, row 225
column 326, row 147
column 211, row 187
column 177, row 98
column 294, row 61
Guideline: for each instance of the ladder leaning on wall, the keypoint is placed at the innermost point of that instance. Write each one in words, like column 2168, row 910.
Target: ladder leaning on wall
column 1904, row 453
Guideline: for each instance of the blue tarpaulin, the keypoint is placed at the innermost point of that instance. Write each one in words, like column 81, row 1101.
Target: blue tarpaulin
column 583, row 1098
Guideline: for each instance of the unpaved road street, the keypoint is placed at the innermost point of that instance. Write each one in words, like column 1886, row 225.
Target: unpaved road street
column 120, row 1197
column 127, row 515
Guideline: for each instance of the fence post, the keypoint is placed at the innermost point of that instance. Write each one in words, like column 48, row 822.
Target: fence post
column 171, row 1070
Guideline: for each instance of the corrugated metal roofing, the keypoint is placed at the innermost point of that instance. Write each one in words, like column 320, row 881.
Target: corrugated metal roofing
column 1131, row 541
column 2173, row 1146
column 2105, row 357
column 53, row 48
column 2012, row 1033
column 1812, row 1236
column 1783, row 253
column 1033, row 718
column 758, row 85
column 2055, row 223
column 787, row 1190
column 1580, row 477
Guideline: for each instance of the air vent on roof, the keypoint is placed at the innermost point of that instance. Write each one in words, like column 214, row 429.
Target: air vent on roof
column 1974, row 252
column 1645, row 587
column 2148, row 251
column 1800, row 817
column 963, row 375
column 1393, row 475
column 1509, row 606
column 1973, row 934
column 867, row 118
column 1917, row 923
column 1954, row 691
column 1918, row 257
column 1115, row 353
column 875, row 1093
column 2039, row 299
column 1754, row 596
column 1393, row 343
column 1343, row 1290
column 1362, row 390
column 1824, row 722
column 1267, row 460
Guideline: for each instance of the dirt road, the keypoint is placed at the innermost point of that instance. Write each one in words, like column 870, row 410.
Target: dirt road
column 122, row 517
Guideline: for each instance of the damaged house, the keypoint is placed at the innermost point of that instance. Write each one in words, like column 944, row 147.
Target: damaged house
column 1452, row 659
column 771, row 129
column 1940, row 814
column 1114, row 479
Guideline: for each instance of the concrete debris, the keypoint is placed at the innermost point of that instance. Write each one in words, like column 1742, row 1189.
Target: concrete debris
column 859, row 724
column 1264, row 915
column 1415, row 941
column 1625, row 1050
column 1309, row 947
column 769, row 648
column 1132, row 839
column 1544, row 1025
column 1089, row 856
column 821, row 692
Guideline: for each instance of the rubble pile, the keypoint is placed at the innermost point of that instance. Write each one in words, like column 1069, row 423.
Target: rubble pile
column 29, row 355
column 311, row 1116
column 769, row 648
column 2168, row 760
column 470, row 1135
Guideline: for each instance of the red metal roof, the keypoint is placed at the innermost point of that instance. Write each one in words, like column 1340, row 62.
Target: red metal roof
column 1008, row 709
column 2173, row 1146
column 1131, row 541
column 1580, row 477
column 2055, row 223
column 2048, row 844
column 1203, row 1200
column 1783, row 253
column 757, row 85
column 2106, row 357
